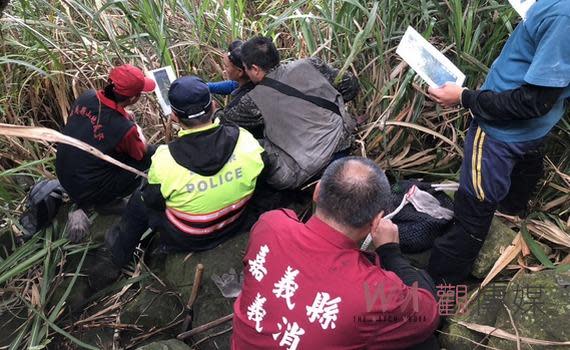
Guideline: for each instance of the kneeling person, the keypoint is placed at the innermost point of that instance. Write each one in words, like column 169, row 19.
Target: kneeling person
column 198, row 185
column 308, row 285
column 99, row 118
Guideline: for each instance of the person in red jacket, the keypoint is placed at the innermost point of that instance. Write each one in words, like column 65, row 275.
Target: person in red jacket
column 99, row 118
column 308, row 286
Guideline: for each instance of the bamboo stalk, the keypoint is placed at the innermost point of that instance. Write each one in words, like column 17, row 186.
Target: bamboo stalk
column 45, row 134
column 205, row 327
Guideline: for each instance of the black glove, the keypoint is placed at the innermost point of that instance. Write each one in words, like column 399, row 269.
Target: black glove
column 348, row 87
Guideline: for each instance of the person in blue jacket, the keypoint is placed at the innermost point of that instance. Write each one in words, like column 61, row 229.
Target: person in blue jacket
column 522, row 99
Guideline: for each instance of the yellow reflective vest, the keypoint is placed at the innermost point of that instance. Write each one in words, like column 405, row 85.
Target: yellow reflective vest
column 198, row 204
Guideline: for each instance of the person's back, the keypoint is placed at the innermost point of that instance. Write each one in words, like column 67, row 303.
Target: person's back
column 207, row 176
column 298, row 132
column 306, row 122
column 100, row 127
column 103, row 123
column 199, row 185
column 308, row 286
column 534, row 54
column 524, row 96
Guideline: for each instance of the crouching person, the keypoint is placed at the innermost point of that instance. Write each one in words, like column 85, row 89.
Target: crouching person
column 308, row 286
column 198, row 185
column 99, row 118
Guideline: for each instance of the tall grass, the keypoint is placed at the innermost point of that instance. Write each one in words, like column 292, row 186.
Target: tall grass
column 51, row 51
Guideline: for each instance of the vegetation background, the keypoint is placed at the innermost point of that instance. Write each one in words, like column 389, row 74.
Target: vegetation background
column 52, row 50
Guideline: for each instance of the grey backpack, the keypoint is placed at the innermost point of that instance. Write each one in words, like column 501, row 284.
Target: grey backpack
column 44, row 200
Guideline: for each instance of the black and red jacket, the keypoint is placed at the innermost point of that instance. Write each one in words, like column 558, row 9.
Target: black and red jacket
column 101, row 123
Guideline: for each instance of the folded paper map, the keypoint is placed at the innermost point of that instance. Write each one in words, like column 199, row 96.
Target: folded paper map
column 522, row 6
column 427, row 61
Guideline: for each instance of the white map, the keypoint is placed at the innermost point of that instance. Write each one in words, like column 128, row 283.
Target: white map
column 522, row 6
column 427, row 61
column 163, row 77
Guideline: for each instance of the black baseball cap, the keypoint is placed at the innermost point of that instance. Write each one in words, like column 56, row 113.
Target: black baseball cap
column 189, row 97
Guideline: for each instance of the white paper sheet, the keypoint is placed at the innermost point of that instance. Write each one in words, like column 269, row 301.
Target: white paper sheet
column 163, row 77
column 427, row 61
column 522, row 6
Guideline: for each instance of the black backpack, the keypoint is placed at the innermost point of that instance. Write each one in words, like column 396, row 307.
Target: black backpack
column 44, row 200
column 418, row 230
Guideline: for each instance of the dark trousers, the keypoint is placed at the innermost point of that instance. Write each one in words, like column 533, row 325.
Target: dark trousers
column 137, row 218
column 121, row 184
column 493, row 174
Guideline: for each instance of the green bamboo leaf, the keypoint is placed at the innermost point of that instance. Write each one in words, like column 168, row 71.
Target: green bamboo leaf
column 61, row 331
column 56, row 310
column 359, row 42
column 5, row 60
column 26, row 264
column 534, row 247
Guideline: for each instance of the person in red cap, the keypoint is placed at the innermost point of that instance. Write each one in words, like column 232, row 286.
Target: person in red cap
column 99, row 118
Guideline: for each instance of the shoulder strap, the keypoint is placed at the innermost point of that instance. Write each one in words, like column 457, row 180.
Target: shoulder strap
column 291, row 91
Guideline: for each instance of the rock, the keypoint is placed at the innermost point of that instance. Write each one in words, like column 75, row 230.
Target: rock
column 539, row 304
column 82, row 290
column 12, row 317
column 177, row 270
column 482, row 310
column 101, row 338
column 154, row 307
column 102, row 224
column 171, row 344
column 500, row 236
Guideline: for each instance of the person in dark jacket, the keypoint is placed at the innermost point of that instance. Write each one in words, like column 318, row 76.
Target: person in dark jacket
column 307, row 124
column 522, row 99
column 100, row 119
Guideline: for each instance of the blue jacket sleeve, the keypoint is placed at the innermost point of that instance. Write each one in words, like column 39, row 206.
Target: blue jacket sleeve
column 223, row 87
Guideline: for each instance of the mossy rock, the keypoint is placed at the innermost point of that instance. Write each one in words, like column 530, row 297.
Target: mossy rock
column 500, row 237
column 101, row 224
column 482, row 310
column 82, row 290
column 171, row 344
column 154, row 307
column 101, row 338
column 178, row 269
column 11, row 320
column 540, row 306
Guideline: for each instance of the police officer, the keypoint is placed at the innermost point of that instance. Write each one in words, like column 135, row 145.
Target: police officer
column 198, row 185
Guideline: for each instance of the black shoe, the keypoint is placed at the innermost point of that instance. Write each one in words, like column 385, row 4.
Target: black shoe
column 102, row 271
